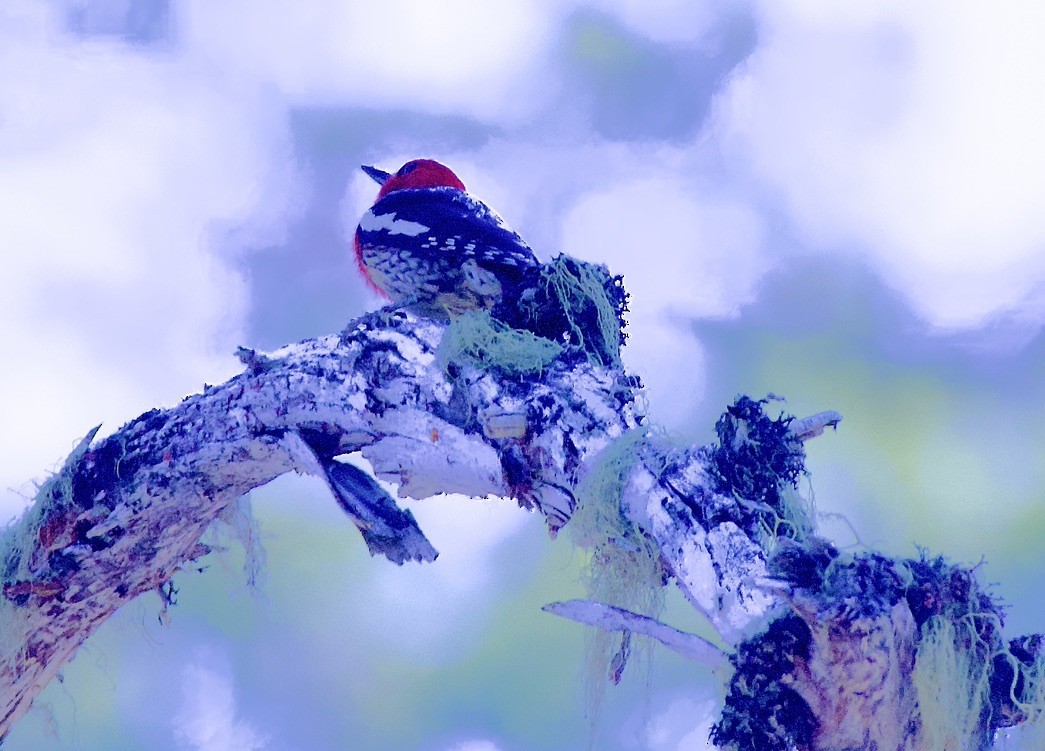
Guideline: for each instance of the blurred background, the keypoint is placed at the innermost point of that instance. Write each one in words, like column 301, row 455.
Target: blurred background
column 839, row 203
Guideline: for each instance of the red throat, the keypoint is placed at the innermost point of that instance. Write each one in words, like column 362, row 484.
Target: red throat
column 364, row 270
column 421, row 173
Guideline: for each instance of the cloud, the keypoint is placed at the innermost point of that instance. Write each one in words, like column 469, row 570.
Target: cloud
column 454, row 598
column 683, row 725
column 685, row 252
column 670, row 21
column 497, row 63
column 458, row 57
column 475, row 746
column 681, row 249
column 128, row 186
column 207, row 720
column 911, row 133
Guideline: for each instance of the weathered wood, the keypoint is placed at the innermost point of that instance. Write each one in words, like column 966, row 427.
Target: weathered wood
column 128, row 511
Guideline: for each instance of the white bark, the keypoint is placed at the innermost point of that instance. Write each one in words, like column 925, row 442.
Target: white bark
column 128, row 511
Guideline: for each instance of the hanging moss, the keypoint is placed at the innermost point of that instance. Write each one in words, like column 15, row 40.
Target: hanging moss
column 1018, row 688
column 624, row 569
column 19, row 541
column 237, row 523
column 592, row 304
column 477, row 339
column 970, row 681
column 577, row 304
column 952, row 678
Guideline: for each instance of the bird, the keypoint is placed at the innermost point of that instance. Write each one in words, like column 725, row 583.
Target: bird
column 429, row 245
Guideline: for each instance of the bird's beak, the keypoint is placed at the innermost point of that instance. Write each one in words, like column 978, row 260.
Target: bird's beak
column 379, row 175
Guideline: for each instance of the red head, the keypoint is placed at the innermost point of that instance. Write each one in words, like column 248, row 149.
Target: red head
column 418, row 173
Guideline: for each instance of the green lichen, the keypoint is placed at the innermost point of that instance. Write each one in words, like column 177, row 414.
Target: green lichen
column 237, row 523
column 477, row 339
column 624, row 568
column 591, row 303
column 20, row 539
column 1032, row 702
column 952, row 680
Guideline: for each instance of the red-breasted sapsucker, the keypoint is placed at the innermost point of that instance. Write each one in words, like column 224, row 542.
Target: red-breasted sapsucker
column 429, row 245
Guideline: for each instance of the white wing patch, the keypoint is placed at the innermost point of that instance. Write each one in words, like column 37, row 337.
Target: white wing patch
column 372, row 222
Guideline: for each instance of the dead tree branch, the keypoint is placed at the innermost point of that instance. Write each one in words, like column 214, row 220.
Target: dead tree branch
column 823, row 645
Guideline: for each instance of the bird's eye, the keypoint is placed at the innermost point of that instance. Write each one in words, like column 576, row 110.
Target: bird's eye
column 406, row 169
